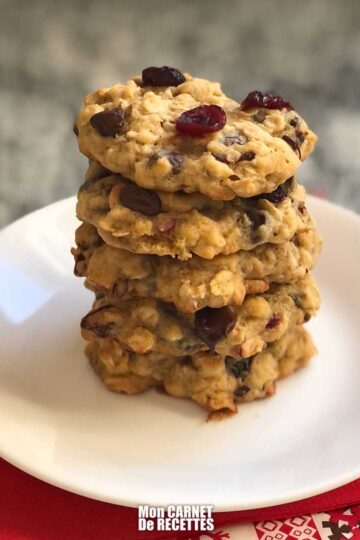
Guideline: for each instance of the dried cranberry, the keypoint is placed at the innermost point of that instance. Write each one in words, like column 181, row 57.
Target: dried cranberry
column 238, row 368
column 108, row 123
column 259, row 100
column 293, row 143
column 162, row 76
column 307, row 317
column 140, row 200
column 234, row 138
column 201, row 120
column 273, row 322
column 175, row 159
column 211, row 324
column 242, row 390
column 247, row 156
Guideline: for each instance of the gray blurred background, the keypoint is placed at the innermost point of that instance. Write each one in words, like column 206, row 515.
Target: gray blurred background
column 54, row 52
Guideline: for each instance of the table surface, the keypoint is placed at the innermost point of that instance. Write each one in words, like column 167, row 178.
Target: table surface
column 52, row 53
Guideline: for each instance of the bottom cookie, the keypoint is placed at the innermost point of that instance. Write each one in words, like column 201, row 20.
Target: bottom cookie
column 214, row 382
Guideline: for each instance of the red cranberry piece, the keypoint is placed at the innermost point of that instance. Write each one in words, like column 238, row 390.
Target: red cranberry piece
column 259, row 100
column 140, row 200
column 162, row 76
column 247, row 156
column 108, row 123
column 201, row 120
column 273, row 322
column 211, row 324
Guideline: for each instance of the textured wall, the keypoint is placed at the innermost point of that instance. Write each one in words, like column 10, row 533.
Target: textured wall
column 51, row 53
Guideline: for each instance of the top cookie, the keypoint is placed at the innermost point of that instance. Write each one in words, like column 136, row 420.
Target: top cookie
column 187, row 135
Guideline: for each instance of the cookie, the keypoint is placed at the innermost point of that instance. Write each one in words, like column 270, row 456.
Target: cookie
column 191, row 137
column 194, row 284
column 180, row 224
column 150, row 325
column 214, row 382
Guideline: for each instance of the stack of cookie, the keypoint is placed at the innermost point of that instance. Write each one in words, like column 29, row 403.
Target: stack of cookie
column 195, row 239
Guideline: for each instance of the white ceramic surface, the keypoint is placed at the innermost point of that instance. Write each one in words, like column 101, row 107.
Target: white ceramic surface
column 59, row 423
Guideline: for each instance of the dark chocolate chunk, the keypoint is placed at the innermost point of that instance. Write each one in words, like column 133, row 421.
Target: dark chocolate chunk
column 162, row 76
column 241, row 391
column 175, row 159
column 238, row 368
column 108, row 123
column 247, row 156
column 212, row 324
column 140, row 200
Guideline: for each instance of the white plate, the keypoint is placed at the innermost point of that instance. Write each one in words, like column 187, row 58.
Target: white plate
column 58, row 422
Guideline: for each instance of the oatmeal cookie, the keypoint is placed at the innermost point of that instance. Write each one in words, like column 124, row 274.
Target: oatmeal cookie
column 189, row 136
column 180, row 224
column 194, row 284
column 150, row 325
column 214, row 382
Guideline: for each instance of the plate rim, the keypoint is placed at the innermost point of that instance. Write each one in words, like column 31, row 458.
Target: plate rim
column 320, row 487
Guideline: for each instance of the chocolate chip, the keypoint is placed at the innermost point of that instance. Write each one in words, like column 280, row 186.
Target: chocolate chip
column 294, row 121
column 238, row 368
column 234, row 138
column 255, row 217
column 140, row 200
column 296, row 299
column 109, row 122
column 242, row 390
column 212, row 324
column 293, row 143
column 100, row 330
column 175, row 159
column 302, row 208
column 276, row 196
column 162, row 76
column 273, row 322
column 80, row 265
column 300, row 136
column 234, row 177
column 75, row 129
column 259, row 117
column 247, row 156
column 221, row 157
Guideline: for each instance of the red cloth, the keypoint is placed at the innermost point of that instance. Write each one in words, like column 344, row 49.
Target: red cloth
column 33, row 510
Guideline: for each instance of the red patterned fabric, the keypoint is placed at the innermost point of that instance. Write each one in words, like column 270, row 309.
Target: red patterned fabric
column 33, row 510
